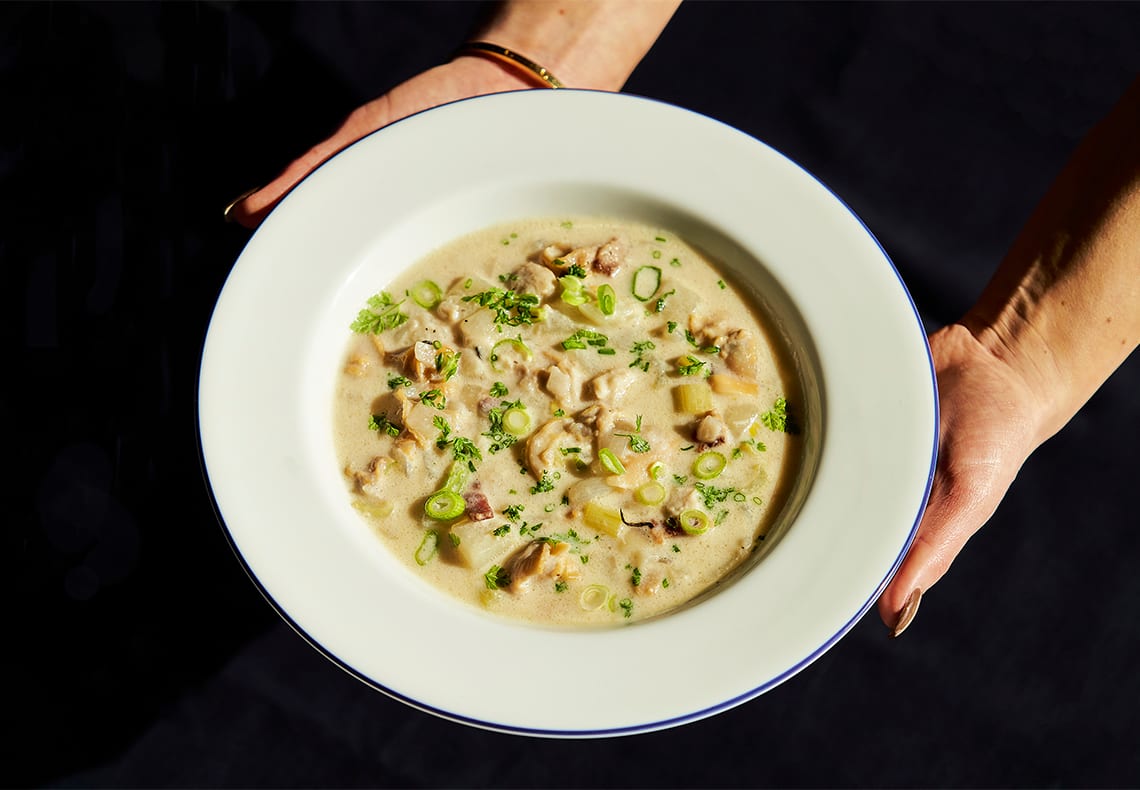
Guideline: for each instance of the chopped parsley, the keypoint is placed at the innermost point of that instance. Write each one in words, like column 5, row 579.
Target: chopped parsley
column 498, row 532
column 659, row 305
column 544, row 484
column 640, row 349
column 776, row 418
column 383, row 424
column 713, row 495
column 501, row 438
column 635, row 577
column 560, row 586
column 462, row 448
column 498, row 390
column 576, row 270
column 394, row 382
column 691, row 366
column 434, row 398
column 382, row 313
column 447, row 363
column 703, row 349
column 510, row 307
column 626, row 605
column 636, row 442
column 496, row 577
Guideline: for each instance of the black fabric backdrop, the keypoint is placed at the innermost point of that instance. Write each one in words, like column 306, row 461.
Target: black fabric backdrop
column 137, row 653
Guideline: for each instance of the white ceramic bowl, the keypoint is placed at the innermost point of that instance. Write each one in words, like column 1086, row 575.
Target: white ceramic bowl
column 277, row 336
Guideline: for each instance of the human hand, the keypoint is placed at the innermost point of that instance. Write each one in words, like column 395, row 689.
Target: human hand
column 989, row 424
column 461, row 78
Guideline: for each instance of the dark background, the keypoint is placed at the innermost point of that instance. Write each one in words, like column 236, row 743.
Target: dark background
column 137, row 653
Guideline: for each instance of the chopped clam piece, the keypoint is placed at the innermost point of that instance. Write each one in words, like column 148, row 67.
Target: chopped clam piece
column 541, row 559
column 611, row 256
column 534, row 279
column 711, row 431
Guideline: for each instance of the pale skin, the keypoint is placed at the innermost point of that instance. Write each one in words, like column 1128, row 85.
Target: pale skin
column 1061, row 313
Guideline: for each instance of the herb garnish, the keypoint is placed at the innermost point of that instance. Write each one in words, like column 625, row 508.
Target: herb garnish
column 383, row 424
column 462, row 448
column 636, row 442
column 640, row 349
column 382, row 313
column 776, row 418
column 496, row 577
column 691, row 366
column 435, row 398
column 510, row 307
column 544, row 484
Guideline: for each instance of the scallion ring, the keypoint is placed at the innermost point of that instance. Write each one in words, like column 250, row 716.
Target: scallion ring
column 607, row 299
column 426, row 294
column 593, row 597
column 444, row 505
column 516, row 421
column 610, row 462
column 709, row 464
column 514, row 342
column 694, row 522
column 651, row 493
column 646, row 282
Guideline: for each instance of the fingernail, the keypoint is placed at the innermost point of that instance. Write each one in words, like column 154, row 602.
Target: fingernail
column 227, row 213
column 909, row 610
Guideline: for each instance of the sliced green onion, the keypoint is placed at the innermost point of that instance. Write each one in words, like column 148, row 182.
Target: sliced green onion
column 456, row 477
column 427, row 547
column 651, row 493
column 657, row 470
column 646, row 281
column 594, row 597
column 694, row 522
column 572, row 291
column 443, row 506
column 516, row 421
column 426, row 294
column 610, row 462
column 514, row 342
column 607, row 299
column 709, row 464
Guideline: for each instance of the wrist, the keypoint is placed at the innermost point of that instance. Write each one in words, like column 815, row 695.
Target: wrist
column 592, row 44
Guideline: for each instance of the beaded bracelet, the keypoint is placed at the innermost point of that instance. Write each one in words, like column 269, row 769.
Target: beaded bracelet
column 511, row 58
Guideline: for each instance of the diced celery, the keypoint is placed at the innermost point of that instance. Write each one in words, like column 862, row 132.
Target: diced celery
column 693, row 397
column 603, row 519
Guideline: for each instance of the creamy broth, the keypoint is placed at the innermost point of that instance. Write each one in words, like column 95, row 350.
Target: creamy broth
column 571, row 422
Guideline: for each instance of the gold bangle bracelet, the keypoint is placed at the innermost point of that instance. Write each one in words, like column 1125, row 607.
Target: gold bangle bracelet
column 511, row 58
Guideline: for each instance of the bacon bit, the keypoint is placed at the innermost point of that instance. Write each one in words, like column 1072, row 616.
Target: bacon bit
column 478, row 508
